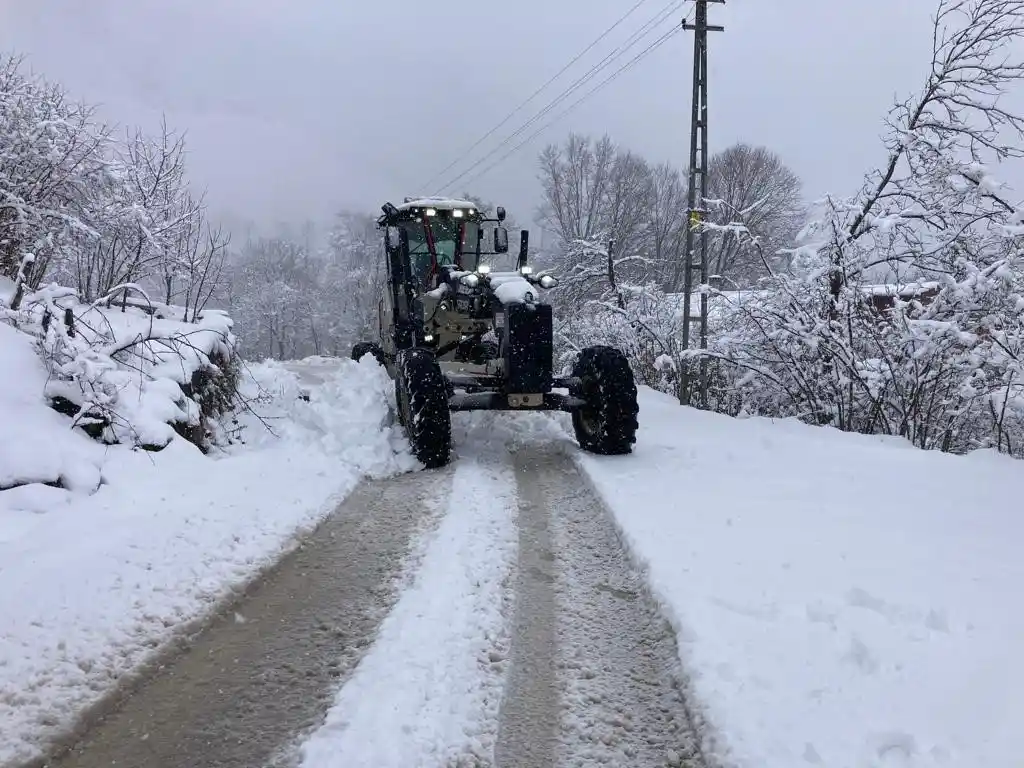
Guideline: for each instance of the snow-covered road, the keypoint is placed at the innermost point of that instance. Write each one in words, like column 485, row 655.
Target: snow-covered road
column 264, row 668
column 836, row 599
column 484, row 614
column 595, row 677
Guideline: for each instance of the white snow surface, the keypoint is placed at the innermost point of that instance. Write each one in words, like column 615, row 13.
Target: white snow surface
column 92, row 585
column 39, row 446
column 428, row 690
column 840, row 600
column 6, row 290
column 513, row 288
column 445, row 203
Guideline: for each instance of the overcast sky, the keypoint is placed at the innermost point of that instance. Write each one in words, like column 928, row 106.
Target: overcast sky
column 296, row 108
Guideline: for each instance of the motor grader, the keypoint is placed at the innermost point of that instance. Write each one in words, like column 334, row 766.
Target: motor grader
column 457, row 334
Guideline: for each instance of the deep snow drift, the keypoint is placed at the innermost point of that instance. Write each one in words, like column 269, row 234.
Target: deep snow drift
column 840, row 600
column 90, row 585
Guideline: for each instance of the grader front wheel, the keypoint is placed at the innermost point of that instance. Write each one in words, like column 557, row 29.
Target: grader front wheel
column 422, row 394
column 607, row 424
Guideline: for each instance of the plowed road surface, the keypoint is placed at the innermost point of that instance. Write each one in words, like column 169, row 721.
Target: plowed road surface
column 587, row 670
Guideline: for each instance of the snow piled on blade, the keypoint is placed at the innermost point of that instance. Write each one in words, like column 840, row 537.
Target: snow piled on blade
column 840, row 600
column 349, row 416
column 89, row 589
column 427, row 692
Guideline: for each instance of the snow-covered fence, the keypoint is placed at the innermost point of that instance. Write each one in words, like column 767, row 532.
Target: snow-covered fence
column 131, row 375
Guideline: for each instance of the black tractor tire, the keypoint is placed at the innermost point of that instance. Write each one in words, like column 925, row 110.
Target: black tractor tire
column 422, row 394
column 364, row 348
column 607, row 424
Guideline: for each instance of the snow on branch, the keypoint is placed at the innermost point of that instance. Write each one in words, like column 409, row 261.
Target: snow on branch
column 901, row 311
column 133, row 377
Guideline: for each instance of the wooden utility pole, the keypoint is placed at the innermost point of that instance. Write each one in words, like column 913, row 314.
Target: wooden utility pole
column 697, row 257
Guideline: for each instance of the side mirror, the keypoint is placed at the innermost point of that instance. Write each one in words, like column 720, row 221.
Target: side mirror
column 501, row 213
column 500, row 240
column 524, row 248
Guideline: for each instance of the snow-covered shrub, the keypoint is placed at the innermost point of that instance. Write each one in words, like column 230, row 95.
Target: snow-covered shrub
column 647, row 325
column 128, row 376
column 941, row 367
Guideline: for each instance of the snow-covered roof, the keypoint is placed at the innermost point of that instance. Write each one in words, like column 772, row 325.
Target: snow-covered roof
column 442, row 203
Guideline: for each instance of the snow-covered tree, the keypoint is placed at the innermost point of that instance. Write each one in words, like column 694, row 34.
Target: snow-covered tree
column 291, row 301
column 594, row 191
column 54, row 164
column 353, row 279
column 83, row 209
column 933, row 353
column 145, row 219
column 752, row 182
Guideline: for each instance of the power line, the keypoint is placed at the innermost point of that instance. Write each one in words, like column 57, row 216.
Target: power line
column 635, row 60
column 589, row 75
column 533, row 95
column 608, row 60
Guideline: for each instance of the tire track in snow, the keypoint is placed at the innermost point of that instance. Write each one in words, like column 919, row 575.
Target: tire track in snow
column 263, row 670
column 428, row 691
column 616, row 665
column 528, row 730
column 592, row 673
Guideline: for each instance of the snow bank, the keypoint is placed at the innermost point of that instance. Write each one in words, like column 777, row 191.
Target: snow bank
column 840, row 600
column 93, row 586
column 40, row 447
